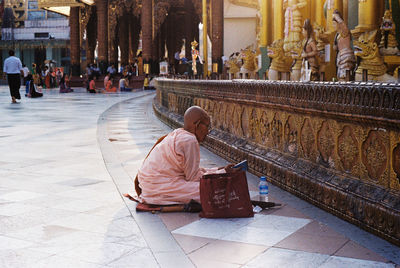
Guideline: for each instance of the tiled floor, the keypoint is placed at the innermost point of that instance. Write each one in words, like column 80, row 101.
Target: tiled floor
column 66, row 159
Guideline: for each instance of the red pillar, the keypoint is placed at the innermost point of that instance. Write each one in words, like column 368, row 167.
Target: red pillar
column 147, row 34
column 217, row 35
column 124, row 40
column 75, row 41
column 102, row 33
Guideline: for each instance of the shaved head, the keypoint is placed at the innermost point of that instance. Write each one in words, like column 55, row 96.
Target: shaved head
column 194, row 116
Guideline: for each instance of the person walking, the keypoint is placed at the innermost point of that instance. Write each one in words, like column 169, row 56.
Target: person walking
column 13, row 68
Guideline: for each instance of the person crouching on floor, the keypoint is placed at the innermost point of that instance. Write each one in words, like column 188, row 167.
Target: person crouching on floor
column 31, row 88
column 171, row 172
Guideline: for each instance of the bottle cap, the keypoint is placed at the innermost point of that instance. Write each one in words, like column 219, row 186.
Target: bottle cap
column 263, row 178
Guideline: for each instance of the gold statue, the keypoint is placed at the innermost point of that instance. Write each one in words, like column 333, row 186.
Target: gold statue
column 309, row 54
column 195, row 55
column 280, row 62
column 371, row 60
column 293, row 21
column 233, row 65
column 250, row 64
column 295, row 73
column 345, row 59
column 322, row 40
column 388, row 45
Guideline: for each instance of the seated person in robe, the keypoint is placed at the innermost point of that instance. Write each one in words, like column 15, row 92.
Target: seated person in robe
column 109, row 86
column 31, row 88
column 92, row 85
column 171, row 173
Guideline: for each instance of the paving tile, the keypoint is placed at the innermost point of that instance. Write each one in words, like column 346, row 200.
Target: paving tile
column 191, row 243
column 136, row 259
column 320, row 229
column 205, row 263
column 15, row 209
column 176, row 220
column 42, row 233
column 80, row 182
column 353, row 250
column 79, row 205
column 20, row 195
column 229, row 252
column 64, row 262
column 277, row 258
column 214, row 228
column 313, row 243
column 173, row 259
column 23, row 258
column 101, row 253
column 288, row 211
column 335, row 261
column 13, row 243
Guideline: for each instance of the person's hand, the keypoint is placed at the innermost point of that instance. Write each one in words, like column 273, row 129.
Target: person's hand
column 230, row 168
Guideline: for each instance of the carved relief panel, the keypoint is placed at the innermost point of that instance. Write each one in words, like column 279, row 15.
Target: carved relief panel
column 265, row 128
column 395, row 163
column 347, row 149
column 326, row 143
column 307, row 139
column 277, row 131
column 374, row 156
column 245, row 123
column 237, row 120
column 290, row 135
column 172, row 103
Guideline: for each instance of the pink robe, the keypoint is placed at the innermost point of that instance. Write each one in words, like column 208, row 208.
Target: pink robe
column 171, row 174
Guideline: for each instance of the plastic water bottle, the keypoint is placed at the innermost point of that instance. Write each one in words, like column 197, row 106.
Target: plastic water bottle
column 263, row 187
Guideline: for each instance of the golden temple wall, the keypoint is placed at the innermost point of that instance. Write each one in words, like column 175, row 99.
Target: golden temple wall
column 335, row 145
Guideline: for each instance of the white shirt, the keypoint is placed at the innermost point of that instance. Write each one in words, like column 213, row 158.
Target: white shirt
column 122, row 83
column 12, row 65
column 26, row 71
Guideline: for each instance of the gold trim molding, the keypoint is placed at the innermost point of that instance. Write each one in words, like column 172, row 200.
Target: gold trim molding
column 246, row 3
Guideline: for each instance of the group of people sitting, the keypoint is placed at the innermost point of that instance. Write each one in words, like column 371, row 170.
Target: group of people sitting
column 123, row 84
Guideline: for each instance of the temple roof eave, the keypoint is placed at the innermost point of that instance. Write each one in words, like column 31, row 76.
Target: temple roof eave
column 63, row 6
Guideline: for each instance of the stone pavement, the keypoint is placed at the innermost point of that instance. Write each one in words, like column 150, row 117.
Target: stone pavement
column 66, row 159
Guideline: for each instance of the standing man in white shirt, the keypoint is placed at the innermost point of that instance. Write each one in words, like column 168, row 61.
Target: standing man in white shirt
column 13, row 68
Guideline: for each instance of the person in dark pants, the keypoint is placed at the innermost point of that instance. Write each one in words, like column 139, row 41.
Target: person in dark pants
column 13, row 68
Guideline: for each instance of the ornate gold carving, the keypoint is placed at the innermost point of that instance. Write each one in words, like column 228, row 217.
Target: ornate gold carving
column 246, row 3
column 237, row 121
column 396, row 162
column 347, row 148
column 371, row 60
column 326, row 143
column 374, row 155
column 172, row 102
column 160, row 13
column 276, row 131
column 245, row 123
column 291, row 135
column 254, row 126
column 280, row 63
column 388, row 44
column 85, row 13
column 265, row 128
column 307, row 138
column 228, row 122
column 293, row 22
